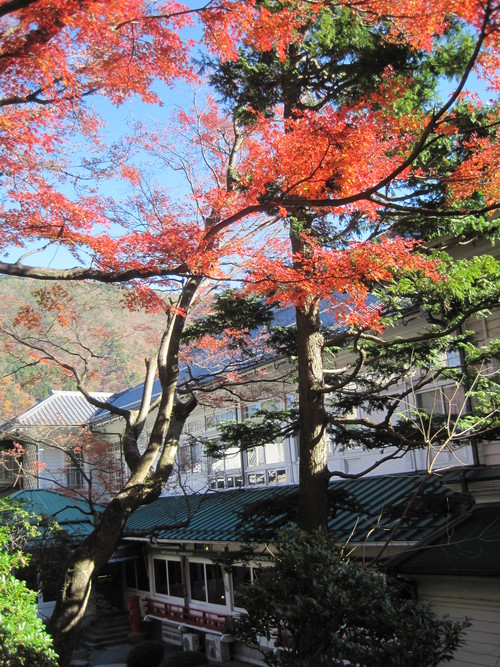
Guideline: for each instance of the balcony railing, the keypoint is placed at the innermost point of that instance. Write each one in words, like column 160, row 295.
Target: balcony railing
column 208, row 620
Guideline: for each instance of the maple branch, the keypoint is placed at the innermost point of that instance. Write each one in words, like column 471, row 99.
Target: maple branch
column 297, row 202
column 86, row 273
column 157, row 17
column 14, row 5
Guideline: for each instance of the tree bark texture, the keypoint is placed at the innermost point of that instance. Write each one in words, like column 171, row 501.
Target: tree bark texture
column 143, row 486
column 313, row 466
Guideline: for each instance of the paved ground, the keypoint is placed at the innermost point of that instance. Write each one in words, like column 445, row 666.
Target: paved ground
column 110, row 655
column 115, row 656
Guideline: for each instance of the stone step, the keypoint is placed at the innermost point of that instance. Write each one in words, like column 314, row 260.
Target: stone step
column 107, row 630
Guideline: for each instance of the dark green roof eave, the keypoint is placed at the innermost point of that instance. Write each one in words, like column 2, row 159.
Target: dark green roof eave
column 215, row 517
column 469, row 547
column 73, row 515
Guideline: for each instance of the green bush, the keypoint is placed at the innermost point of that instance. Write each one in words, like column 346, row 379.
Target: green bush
column 185, row 659
column 329, row 610
column 23, row 639
column 146, row 654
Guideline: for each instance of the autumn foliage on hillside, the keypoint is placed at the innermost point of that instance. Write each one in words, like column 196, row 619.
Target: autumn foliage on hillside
column 79, row 321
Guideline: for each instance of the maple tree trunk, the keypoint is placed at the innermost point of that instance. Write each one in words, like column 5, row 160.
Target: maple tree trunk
column 84, row 564
column 142, row 487
column 87, row 559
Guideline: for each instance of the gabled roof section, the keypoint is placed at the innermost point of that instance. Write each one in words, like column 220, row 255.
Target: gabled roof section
column 128, row 399
column 61, row 408
column 72, row 514
column 369, row 509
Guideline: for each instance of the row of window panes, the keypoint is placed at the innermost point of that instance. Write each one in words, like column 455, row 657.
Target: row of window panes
column 211, row 421
column 252, row 478
column 206, row 581
column 227, row 482
column 266, row 477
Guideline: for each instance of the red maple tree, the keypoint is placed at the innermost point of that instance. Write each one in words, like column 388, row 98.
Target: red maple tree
column 261, row 190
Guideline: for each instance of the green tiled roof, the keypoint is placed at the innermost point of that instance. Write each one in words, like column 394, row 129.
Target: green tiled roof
column 71, row 514
column 368, row 509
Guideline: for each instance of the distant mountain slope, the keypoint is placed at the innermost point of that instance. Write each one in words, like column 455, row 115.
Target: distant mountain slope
column 89, row 320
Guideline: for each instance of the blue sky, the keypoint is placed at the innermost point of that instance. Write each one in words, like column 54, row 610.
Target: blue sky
column 119, row 121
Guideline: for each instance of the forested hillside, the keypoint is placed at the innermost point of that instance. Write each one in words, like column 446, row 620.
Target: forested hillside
column 97, row 334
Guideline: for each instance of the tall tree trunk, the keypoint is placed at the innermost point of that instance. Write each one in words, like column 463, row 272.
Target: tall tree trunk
column 142, row 487
column 85, row 562
column 313, row 467
column 313, row 464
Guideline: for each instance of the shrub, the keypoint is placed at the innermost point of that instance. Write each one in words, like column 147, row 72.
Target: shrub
column 23, row 639
column 185, row 659
column 329, row 610
column 148, row 653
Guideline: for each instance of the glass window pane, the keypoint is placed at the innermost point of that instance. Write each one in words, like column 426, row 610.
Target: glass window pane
column 175, row 579
column 130, row 576
column 215, row 585
column 281, row 476
column 454, row 399
column 241, row 575
column 274, row 453
column 142, row 574
column 161, row 582
column 197, row 581
column 430, row 402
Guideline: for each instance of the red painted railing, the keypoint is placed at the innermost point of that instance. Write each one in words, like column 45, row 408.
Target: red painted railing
column 173, row 612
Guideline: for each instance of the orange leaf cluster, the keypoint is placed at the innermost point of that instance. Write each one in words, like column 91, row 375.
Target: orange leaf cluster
column 341, row 279
column 480, row 173
column 230, row 24
column 334, row 154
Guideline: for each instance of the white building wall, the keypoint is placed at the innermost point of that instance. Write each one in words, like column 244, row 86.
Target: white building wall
column 477, row 599
column 52, row 468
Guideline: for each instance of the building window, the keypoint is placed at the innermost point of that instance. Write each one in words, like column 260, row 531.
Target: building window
column 449, row 400
column 74, row 470
column 136, row 574
column 256, row 479
column 241, row 575
column 256, row 457
column 453, row 358
column 212, row 421
column 271, row 453
column 190, row 457
column 206, row 583
column 276, row 476
column 168, row 577
column 226, row 482
column 234, row 481
column 268, row 404
column 194, row 426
